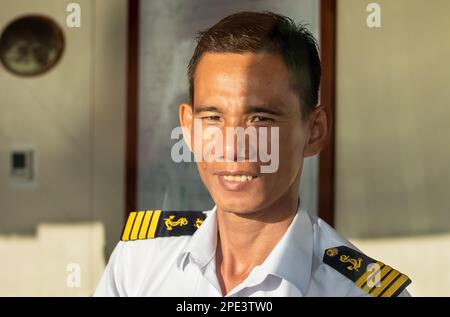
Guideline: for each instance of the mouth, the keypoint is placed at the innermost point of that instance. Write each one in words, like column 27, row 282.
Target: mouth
column 236, row 180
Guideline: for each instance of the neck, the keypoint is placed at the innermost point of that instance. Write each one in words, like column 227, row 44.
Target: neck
column 245, row 241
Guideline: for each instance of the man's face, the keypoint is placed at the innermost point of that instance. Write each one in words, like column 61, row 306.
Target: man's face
column 247, row 90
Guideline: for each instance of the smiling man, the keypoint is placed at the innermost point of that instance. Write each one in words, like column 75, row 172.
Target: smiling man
column 260, row 71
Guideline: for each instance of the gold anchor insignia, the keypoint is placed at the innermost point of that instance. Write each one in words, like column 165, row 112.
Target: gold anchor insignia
column 198, row 223
column 332, row 252
column 170, row 223
column 355, row 264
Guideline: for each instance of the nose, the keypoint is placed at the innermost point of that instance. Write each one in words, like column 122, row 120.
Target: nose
column 231, row 146
column 239, row 142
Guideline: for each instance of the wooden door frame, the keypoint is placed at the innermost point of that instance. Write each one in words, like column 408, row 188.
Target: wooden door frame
column 326, row 177
column 326, row 190
column 132, row 135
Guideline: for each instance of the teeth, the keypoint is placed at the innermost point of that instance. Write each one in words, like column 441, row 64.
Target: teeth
column 238, row 178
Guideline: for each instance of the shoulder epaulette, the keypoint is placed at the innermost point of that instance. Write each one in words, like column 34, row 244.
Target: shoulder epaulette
column 372, row 276
column 156, row 223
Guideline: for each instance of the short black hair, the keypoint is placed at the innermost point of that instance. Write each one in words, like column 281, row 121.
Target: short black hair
column 266, row 32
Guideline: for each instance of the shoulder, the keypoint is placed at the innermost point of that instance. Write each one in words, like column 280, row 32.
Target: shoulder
column 157, row 233
column 150, row 224
column 340, row 265
column 150, row 241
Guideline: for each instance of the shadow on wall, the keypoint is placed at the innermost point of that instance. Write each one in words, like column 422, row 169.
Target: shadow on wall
column 61, row 260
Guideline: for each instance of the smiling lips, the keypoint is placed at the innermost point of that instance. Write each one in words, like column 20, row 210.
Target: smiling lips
column 238, row 178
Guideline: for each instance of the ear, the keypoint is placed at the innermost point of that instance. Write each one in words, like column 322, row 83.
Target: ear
column 186, row 119
column 318, row 131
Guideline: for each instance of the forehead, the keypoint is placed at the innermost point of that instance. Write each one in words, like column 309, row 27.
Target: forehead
column 249, row 77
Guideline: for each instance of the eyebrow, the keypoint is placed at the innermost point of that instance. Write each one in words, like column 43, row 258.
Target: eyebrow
column 249, row 110
column 274, row 110
column 202, row 108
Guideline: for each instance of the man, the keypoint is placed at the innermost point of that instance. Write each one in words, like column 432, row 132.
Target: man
column 257, row 70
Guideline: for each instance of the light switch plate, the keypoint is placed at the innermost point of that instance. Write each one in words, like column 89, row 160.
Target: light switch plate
column 22, row 165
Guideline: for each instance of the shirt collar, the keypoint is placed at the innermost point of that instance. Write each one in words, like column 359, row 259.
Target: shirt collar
column 201, row 248
column 291, row 259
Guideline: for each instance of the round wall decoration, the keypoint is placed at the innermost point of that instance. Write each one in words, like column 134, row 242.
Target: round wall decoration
column 31, row 45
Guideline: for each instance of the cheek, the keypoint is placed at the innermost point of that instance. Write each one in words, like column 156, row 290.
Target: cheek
column 206, row 172
column 292, row 143
column 202, row 168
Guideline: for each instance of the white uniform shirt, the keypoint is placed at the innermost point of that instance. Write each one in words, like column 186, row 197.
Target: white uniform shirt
column 185, row 265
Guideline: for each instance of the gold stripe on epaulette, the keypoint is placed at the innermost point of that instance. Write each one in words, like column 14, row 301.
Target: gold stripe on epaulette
column 145, row 224
column 128, row 226
column 367, row 275
column 153, row 224
column 386, row 269
column 385, row 283
column 137, row 225
column 395, row 286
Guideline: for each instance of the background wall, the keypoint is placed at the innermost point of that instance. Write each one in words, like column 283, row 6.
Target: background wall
column 74, row 118
column 392, row 173
column 168, row 30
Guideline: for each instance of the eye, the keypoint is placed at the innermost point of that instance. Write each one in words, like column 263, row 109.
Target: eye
column 261, row 119
column 212, row 118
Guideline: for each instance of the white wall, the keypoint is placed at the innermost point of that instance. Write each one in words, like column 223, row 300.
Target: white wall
column 392, row 173
column 74, row 117
column 392, row 119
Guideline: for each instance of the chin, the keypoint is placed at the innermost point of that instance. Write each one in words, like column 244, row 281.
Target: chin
column 242, row 205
